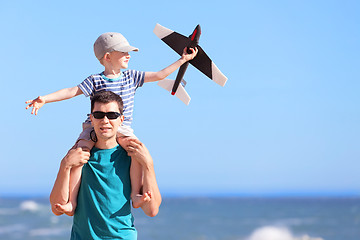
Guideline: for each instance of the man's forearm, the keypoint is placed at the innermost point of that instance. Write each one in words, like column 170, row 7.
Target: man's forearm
column 151, row 208
column 60, row 191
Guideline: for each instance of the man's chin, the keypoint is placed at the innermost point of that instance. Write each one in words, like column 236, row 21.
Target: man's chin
column 105, row 135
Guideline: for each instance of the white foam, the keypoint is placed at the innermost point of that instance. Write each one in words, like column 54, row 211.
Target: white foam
column 47, row 232
column 30, row 206
column 54, row 219
column 271, row 233
column 276, row 233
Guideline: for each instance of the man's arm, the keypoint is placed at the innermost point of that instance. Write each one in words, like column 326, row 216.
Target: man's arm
column 150, row 186
column 162, row 74
column 60, row 192
column 60, row 95
column 140, row 153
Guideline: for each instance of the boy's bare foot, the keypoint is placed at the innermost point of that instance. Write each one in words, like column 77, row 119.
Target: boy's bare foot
column 68, row 208
column 138, row 200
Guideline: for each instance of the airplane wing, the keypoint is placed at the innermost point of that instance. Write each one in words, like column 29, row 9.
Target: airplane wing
column 181, row 93
column 202, row 62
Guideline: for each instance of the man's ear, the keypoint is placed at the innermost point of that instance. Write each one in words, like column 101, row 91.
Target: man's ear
column 122, row 118
column 91, row 119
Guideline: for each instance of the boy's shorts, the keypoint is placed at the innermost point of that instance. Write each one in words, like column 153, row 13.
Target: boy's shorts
column 123, row 131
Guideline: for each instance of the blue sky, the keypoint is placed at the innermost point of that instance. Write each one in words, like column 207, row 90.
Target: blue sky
column 286, row 122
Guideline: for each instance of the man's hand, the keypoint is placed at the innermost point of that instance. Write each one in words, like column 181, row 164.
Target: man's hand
column 186, row 56
column 36, row 104
column 75, row 157
column 137, row 151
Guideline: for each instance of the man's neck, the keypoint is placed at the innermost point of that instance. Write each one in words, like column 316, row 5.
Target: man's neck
column 106, row 144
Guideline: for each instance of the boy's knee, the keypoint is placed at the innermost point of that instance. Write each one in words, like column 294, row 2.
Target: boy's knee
column 85, row 149
column 85, row 145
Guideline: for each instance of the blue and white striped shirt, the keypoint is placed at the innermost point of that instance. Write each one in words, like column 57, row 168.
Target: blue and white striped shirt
column 125, row 86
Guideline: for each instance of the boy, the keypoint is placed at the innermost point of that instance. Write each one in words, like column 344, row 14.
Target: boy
column 112, row 50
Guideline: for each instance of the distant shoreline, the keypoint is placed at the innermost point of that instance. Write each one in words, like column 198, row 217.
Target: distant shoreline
column 266, row 195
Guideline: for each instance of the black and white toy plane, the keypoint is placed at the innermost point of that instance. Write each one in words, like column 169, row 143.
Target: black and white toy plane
column 202, row 62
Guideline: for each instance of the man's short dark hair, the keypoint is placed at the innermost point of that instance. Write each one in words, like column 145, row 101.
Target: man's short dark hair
column 107, row 97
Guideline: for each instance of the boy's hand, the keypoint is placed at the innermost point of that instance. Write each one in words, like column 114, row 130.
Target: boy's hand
column 36, row 104
column 75, row 157
column 186, row 56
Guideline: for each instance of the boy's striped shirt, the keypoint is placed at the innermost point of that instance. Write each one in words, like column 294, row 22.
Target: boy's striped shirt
column 125, row 86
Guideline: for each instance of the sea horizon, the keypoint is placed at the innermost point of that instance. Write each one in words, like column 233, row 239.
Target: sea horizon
column 216, row 194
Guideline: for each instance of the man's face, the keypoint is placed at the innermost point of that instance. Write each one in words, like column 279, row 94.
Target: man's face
column 106, row 128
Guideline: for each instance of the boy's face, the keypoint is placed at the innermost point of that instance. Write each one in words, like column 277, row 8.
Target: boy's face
column 106, row 128
column 119, row 60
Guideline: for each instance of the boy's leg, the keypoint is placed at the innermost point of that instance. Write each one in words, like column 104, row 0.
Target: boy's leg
column 75, row 179
column 138, row 198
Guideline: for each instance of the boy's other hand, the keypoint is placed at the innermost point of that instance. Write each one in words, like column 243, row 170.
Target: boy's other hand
column 186, row 56
column 76, row 157
column 36, row 104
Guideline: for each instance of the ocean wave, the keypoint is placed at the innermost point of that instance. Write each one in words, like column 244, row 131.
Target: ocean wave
column 30, row 206
column 8, row 211
column 48, row 232
column 12, row 229
column 277, row 233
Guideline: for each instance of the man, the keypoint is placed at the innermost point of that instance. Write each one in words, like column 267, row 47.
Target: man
column 104, row 210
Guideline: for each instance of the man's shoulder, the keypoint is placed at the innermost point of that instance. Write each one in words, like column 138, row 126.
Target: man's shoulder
column 121, row 153
column 119, row 149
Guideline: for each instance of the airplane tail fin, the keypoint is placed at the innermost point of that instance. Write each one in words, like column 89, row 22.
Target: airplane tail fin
column 167, row 84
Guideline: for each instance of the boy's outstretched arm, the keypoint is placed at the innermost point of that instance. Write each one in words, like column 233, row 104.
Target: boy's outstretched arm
column 160, row 75
column 60, row 95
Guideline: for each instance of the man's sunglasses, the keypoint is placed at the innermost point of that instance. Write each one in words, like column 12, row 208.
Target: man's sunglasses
column 109, row 115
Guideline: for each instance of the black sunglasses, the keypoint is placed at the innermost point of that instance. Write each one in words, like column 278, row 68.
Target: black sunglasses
column 109, row 115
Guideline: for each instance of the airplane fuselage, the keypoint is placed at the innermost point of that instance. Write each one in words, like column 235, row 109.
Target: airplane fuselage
column 194, row 41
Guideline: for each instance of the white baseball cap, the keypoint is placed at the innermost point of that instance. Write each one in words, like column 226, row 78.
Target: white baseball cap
column 111, row 41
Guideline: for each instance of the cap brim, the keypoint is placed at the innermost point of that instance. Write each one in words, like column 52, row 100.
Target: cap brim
column 126, row 49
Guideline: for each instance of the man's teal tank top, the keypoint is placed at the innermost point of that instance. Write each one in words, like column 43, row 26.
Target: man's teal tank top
column 103, row 208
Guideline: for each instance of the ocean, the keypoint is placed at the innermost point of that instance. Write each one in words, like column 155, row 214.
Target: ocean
column 203, row 219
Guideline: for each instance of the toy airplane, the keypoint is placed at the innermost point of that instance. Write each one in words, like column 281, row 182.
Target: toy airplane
column 202, row 62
